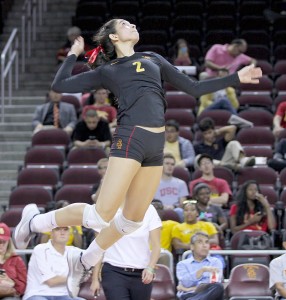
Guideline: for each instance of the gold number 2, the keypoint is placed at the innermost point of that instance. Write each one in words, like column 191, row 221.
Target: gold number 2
column 138, row 66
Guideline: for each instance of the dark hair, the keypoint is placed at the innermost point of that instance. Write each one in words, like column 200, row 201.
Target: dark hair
column 173, row 123
column 206, row 124
column 241, row 200
column 204, row 155
column 102, row 38
column 199, row 186
column 238, row 42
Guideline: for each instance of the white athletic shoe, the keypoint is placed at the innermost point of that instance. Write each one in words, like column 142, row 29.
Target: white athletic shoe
column 77, row 271
column 22, row 233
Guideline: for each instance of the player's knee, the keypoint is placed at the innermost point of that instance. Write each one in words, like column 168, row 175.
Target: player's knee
column 125, row 226
column 92, row 219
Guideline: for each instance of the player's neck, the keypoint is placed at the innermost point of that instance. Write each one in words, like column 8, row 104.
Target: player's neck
column 123, row 50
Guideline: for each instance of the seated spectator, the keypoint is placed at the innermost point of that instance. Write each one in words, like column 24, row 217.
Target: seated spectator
column 229, row 56
column 92, row 131
column 55, row 114
column 48, row 268
column 181, row 148
column 167, row 226
column 219, row 188
column 13, row 272
column 200, row 275
column 279, row 120
column 278, row 162
column 75, row 236
column 252, row 210
column 105, row 111
column 277, row 274
column 223, row 99
column 72, row 34
column 182, row 233
column 181, row 53
column 207, row 211
column 171, row 191
column 219, row 144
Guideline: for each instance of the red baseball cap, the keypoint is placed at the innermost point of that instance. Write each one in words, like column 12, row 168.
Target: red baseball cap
column 5, row 232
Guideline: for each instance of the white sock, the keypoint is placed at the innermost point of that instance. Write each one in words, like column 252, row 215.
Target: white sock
column 92, row 255
column 44, row 222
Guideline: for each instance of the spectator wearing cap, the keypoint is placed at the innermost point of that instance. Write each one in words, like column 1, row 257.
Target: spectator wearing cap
column 48, row 268
column 220, row 190
column 209, row 212
column 13, row 272
column 92, row 131
column 181, row 148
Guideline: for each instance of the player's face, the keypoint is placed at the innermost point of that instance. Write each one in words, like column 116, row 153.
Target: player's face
column 126, row 31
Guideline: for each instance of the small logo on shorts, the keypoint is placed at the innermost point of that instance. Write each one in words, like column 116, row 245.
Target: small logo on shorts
column 119, row 144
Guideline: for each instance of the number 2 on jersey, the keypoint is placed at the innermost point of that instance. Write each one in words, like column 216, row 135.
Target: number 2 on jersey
column 138, row 66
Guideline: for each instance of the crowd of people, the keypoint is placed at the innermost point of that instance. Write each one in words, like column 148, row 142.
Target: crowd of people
column 201, row 210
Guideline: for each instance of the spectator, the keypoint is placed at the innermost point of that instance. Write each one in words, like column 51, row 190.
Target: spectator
column 277, row 274
column 72, row 34
column 229, row 56
column 223, row 99
column 48, row 268
column 101, row 167
column 167, row 226
column 55, row 114
column 182, row 233
column 181, row 53
column 209, row 212
column 98, row 99
column 219, row 144
column 181, row 148
column 13, row 272
column 252, row 210
column 75, row 236
column 200, row 275
column 220, row 190
column 171, row 191
column 92, row 131
column 129, row 263
column 278, row 162
column 279, row 120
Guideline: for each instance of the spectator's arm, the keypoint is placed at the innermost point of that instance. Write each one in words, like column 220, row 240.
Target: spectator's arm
column 220, row 200
column 95, row 283
column 212, row 65
column 77, row 242
column 73, row 119
column 228, row 132
column 36, row 123
column 214, row 239
column 231, row 95
column 271, row 223
column 178, row 244
column 55, row 281
column 188, row 153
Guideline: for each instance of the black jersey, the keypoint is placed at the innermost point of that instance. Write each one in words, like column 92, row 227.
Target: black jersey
column 137, row 82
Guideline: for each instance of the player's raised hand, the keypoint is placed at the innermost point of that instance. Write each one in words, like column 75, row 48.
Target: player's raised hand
column 78, row 46
column 250, row 74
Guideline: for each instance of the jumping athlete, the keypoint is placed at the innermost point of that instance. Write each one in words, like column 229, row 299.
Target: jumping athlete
column 136, row 156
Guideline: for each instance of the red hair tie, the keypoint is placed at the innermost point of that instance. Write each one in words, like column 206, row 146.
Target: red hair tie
column 92, row 54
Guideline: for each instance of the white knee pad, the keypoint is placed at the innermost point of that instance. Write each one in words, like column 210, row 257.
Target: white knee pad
column 92, row 219
column 125, row 226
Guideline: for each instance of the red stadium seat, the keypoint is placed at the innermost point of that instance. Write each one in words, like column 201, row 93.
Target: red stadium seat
column 259, row 117
column 85, row 156
column 183, row 116
column 80, row 175
column 75, row 193
column 219, row 116
column 180, row 100
column 182, row 173
column 263, row 136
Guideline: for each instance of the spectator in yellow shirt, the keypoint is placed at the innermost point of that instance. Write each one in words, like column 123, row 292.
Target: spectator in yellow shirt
column 182, row 233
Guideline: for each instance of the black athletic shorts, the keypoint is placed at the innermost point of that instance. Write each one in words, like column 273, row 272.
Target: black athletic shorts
column 137, row 143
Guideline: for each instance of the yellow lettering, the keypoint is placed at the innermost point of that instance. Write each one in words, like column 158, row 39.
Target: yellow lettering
column 138, row 66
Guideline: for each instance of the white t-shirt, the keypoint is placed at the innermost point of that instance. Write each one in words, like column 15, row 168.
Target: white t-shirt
column 133, row 250
column 170, row 191
column 46, row 263
column 278, row 272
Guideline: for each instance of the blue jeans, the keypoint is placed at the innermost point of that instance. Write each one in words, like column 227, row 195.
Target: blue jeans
column 222, row 104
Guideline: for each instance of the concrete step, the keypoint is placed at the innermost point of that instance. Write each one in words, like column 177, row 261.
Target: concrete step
column 11, row 165
column 8, row 175
column 39, row 85
column 37, row 76
column 18, row 118
column 15, row 109
column 6, row 185
column 15, row 146
column 14, row 127
column 36, row 92
column 12, row 156
column 48, row 68
column 16, row 136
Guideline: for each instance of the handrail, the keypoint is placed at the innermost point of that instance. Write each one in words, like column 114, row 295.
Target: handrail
column 11, row 52
column 29, row 25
